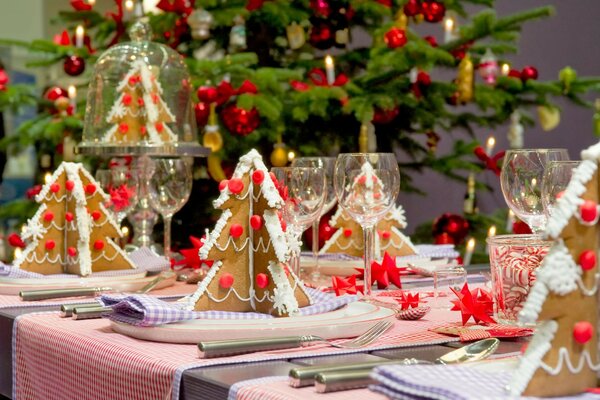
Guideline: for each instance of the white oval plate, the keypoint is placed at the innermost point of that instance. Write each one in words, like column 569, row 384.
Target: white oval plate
column 349, row 321
column 84, row 281
column 120, row 284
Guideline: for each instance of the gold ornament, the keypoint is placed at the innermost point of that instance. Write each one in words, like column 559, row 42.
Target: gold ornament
column 401, row 20
column 212, row 136
column 295, row 35
column 279, row 156
column 464, row 81
column 549, row 117
column 214, row 167
column 363, row 139
column 597, row 117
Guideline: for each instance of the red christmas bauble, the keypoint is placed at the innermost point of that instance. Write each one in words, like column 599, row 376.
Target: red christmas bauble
column 443, row 238
column 395, row 38
column 385, row 116
column 321, row 8
column 202, row 111
column 80, row 5
column 321, row 36
column 529, row 72
column 452, row 224
column 433, row 11
column 74, row 65
column 423, row 78
column 583, row 332
column 55, row 92
column 514, row 73
column 239, row 121
column 431, row 40
column 207, row 94
column 324, row 234
column 587, row 260
column 412, row 8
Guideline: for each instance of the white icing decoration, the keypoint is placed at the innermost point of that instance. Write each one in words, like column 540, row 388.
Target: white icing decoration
column 332, row 241
column 41, row 196
column 34, row 228
column 397, row 214
column 82, row 219
column 333, row 220
column 203, row 284
column 592, row 153
column 212, row 237
column 273, row 226
column 283, row 294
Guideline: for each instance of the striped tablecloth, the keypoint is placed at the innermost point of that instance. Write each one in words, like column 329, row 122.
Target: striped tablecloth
column 56, row 358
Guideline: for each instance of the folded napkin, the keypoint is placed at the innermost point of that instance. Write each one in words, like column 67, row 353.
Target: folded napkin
column 145, row 310
column 451, row 382
column 143, row 258
column 424, row 251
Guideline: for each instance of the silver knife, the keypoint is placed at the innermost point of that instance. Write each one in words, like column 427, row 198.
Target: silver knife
column 97, row 311
column 305, row 376
column 224, row 348
column 343, row 380
column 35, row 295
column 66, row 310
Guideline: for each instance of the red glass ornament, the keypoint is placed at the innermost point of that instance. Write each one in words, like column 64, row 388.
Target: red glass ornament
column 395, row 38
column 432, row 40
column 72, row 251
column 589, row 211
column 69, row 216
column 54, row 93
column 433, row 11
column 207, row 94
column 347, row 232
column 74, row 65
column 587, row 260
column 239, row 121
column 236, row 230
column 529, row 72
column 423, row 78
column 202, row 111
column 80, row 5
column 226, row 280
column 385, row 116
column 443, row 238
column 321, row 8
column 54, row 188
column 321, row 36
column 69, row 185
column 583, row 332
column 256, row 222
column 514, row 73
column 235, row 185
column 412, row 8
column 452, row 224
column 48, row 216
column 99, row 244
column 262, row 280
column 90, row 188
column 521, row 228
column 50, row 244
column 258, row 177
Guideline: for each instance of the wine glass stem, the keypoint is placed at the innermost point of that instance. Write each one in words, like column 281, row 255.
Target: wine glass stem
column 167, row 233
column 315, row 248
column 368, row 232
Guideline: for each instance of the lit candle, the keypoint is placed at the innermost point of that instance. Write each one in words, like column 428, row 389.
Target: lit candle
column 489, row 145
column 449, row 29
column 47, row 177
column 469, row 252
column 91, row 2
column 72, row 92
column 129, row 5
column 17, row 253
column 125, row 231
column 291, row 155
column 79, row 33
column 505, row 69
column 329, row 70
column 510, row 221
column 492, row 231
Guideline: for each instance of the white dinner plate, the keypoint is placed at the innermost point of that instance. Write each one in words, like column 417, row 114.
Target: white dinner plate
column 122, row 284
column 332, row 267
column 48, row 280
column 349, row 321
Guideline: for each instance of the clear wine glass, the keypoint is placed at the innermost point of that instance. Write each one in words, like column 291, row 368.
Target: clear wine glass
column 121, row 185
column 303, row 189
column 169, row 189
column 521, row 182
column 366, row 186
column 328, row 165
column 556, row 178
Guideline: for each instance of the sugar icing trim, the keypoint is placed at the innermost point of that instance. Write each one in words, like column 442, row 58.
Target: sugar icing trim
column 34, row 228
column 82, row 219
column 330, row 242
column 397, row 214
column 334, row 218
column 592, row 153
column 283, row 294
column 203, row 284
column 212, row 237
column 277, row 235
column 41, row 196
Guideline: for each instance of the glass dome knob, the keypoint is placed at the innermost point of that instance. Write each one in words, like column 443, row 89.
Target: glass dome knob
column 140, row 32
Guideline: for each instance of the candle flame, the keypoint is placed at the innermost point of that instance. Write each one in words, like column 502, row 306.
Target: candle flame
column 505, row 69
column 18, row 252
column 471, row 245
column 125, row 231
column 72, row 91
column 79, row 31
column 129, row 5
column 91, row 2
column 47, row 177
column 491, row 142
column 492, row 231
column 291, row 155
column 449, row 24
column 328, row 61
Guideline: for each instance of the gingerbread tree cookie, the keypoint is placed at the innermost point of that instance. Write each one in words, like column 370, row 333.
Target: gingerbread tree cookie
column 249, row 247
column 562, row 358
column 348, row 238
column 71, row 231
column 140, row 113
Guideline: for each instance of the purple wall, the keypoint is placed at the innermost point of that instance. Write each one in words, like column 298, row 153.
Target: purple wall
column 571, row 37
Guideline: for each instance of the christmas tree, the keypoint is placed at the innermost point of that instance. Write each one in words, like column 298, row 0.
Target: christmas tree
column 250, row 248
column 71, row 231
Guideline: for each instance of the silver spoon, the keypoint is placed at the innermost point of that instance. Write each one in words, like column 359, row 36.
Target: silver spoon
column 345, row 376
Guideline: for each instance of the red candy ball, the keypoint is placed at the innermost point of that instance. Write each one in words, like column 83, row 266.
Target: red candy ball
column 99, row 244
column 514, row 73
column 386, row 234
column 587, row 260
column 48, row 216
column 226, row 280
column 395, row 38
column 235, row 185
column 589, row 211
column 96, row 215
column 236, row 230
column 202, row 111
column 126, row 99
column 69, row 185
column 262, row 280
column 74, row 65
column 123, row 128
column 433, row 11
column 90, row 188
column 412, row 8
column 159, row 127
column 72, row 251
column 258, row 177
column 347, row 232
column 223, row 184
column 69, row 216
column 50, row 244
column 583, row 332
column 529, row 72
column 256, row 222
column 55, row 93
column 239, row 121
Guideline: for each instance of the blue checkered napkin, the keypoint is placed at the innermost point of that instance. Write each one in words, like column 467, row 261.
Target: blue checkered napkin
column 451, row 382
column 145, row 310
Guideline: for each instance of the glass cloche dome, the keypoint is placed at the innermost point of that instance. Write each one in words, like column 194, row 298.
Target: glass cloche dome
column 139, row 101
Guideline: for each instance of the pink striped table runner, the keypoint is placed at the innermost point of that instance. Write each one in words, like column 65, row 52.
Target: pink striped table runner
column 57, row 358
column 177, row 290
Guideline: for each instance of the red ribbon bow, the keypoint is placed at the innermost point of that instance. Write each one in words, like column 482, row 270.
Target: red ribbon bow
column 490, row 163
column 345, row 285
column 476, row 303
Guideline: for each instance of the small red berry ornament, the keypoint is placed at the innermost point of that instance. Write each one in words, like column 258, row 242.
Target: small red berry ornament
column 433, row 11
column 54, row 188
column 226, row 280
column 262, row 280
column 235, row 185
column 587, row 260
column 123, row 128
column 412, row 8
column 99, row 244
column 258, row 177
column 528, row 73
column 514, row 73
column 126, row 99
column 588, row 211
column 207, row 94
column 72, row 251
column 583, row 332
column 256, row 222
column 69, row 216
column 386, row 235
column 395, row 38
column 96, row 215
column 48, row 216
column 90, row 188
column 69, row 185
column 74, row 65
column 50, row 244
column 236, row 230
column 431, row 40
column 202, row 111
column 347, row 232
column 55, row 92
column 159, row 127
column 239, row 121
column 141, row 101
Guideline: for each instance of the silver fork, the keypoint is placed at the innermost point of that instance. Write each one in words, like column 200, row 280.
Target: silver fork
column 223, row 348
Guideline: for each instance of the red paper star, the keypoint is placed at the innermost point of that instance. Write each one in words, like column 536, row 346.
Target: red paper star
column 345, row 285
column 190, row 256
column 120, row 196
column 407, row 300
column 476, row 303
column 384, row 273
